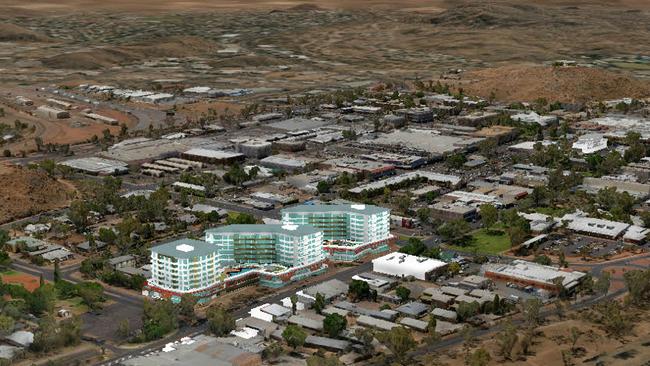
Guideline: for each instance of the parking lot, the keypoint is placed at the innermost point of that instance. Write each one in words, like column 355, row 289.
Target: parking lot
column 578, row 245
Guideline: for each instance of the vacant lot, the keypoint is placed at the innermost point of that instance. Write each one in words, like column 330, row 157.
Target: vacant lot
column 30, row 282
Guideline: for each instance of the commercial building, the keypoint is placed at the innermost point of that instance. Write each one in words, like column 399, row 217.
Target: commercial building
column 453, row 211
column 212, row 156
column 401, row 161
column 590, row 143
column 402, row 265
column 536, row 275
column 595, row 227
column 372, row 169
column 254, row 148
column 533, row 117
column 97, row 166
column 634, row 189
column 283, row 162
column 51, row 112
column 350, row 231
column 202, row 350
column 443, row 179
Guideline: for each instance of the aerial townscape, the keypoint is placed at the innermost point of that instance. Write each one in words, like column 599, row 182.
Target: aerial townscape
column 325, row 183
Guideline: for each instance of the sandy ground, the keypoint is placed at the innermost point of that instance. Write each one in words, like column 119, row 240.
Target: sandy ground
column 30, row 282
column 25, row 192
column 555, row 337
column 227, row 5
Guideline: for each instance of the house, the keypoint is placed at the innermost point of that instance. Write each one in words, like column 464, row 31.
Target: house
column 86, row 248
column 329, row 289
column 330, row 344
column 418, row 325
column 263, row 327
column 28, row 243
column 414, row 309
column 271, row 312
column 375, row 323
column 443, row 314
column 378, row 283
column 314, row 322
column 122, row 261
column 436, row 297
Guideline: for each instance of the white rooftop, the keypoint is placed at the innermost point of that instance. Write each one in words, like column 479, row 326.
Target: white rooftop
column 399, row 264
column 579, row 222
column 590, row 143
column 186, row 248
column 536, row 272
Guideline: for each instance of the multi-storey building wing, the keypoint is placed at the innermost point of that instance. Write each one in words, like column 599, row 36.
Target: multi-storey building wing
column 184, row 265
column 350, row 231
column 288, row 245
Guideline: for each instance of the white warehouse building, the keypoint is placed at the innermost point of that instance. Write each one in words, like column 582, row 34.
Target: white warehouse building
column 402, row 265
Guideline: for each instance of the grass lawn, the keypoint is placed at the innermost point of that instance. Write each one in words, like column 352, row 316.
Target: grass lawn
column 8, row 272
column 485, row 243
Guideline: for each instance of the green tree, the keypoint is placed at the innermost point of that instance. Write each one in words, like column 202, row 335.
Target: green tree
column 92, row 294
column 638, row 284
column 543, row 259
column 158, row 319
column 489, row 215
column 186, row 308
column 334, row 324
column 323, row 187
column 423, row 214
column 456, row 161
column 399, row 341
column 124, row 328
column 616, row 320
column 601, row 285
column 78, row 215
column 220, row 322
column 467, row 310
column 453, row 268
column 403, row 293
column 480, row 357
column 49, row 166
column 294, row 335
column 531, row 309
column 415, row 246
column 107, row 235
column 6, row 325
column 455, row 231
column 358, row 290
column 431, row 325
column 4, row 238
column 319, row 303
column 507, row 339
column 57, row 271
column 272, row 351
column 365, row 336
column 42, row 300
